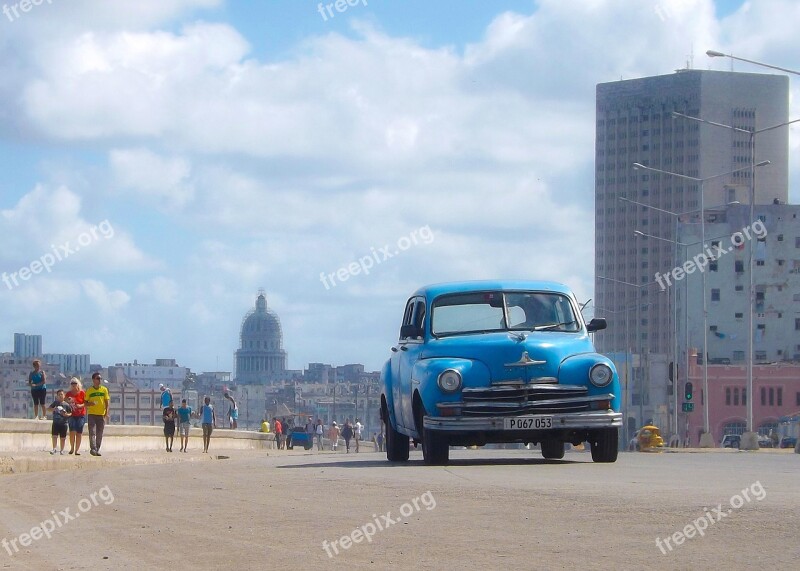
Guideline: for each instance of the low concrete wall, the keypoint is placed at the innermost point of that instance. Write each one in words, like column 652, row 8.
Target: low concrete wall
column 20, row 435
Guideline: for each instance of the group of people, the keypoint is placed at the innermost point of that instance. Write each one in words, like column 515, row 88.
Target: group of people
column 349, row 432
column 72, row 411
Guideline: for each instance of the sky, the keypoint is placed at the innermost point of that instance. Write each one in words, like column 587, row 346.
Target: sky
column 163, row 160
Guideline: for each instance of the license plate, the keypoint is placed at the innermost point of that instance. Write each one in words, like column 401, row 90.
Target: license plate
column 528, row 423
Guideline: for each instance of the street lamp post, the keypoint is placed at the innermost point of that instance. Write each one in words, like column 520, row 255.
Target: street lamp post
column 707, row 440
column 714, row 53
column 625, row 389
column 641, row 341
column 676, row 348
column 750, row 442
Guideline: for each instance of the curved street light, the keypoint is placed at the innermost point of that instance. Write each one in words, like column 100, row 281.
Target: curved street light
column 707, row 440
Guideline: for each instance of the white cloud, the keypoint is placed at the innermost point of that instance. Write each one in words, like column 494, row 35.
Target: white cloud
column 269, row 173
column 107, row 301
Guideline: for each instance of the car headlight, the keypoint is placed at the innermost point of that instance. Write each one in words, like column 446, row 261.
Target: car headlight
column 600, row 375
column 449, row 380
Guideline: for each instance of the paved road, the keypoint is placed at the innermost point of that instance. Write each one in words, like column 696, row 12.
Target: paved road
column 507, row 510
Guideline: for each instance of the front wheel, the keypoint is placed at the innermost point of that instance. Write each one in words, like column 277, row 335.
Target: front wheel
column 435, row 448
column 396, row 443
column 604, row 445
column 552, row 450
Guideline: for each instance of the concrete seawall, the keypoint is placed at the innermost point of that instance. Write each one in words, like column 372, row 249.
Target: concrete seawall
column 19, row 435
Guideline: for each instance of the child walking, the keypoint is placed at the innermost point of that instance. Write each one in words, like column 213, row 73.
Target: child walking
column 61, row 410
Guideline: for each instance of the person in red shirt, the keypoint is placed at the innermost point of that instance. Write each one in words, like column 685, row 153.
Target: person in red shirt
column 77, row 399
column 277, row 427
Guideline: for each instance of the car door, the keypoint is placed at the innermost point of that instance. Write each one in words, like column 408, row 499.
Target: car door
column 410, row 350
column 398, row 355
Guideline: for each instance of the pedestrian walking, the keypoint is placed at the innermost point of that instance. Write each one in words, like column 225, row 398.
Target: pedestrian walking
column 62, row 411
column 233, row 412
column 319, row 430
column 97, row 400
column 169, row 416
column 37, row 380
column 333, row 436
column 379, row 440
column 347, row 434
column 278, row 427
column 184, row 423
column 77, row 399
column 357, row 428
column 209, row 420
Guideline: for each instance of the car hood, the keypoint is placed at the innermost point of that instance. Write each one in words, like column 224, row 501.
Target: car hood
column 499, row 351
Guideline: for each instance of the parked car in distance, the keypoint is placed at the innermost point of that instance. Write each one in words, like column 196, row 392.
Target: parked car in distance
column 764, row 441
column 788, row 442
column 731, row 441
column 498, row 362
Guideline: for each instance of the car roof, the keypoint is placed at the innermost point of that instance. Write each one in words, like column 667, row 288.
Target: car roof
column 435, row 290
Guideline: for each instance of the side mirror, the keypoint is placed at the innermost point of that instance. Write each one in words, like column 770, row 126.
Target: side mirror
column 596, row 324
column 411, row 331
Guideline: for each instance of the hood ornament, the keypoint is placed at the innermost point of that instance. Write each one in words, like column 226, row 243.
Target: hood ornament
column 525, row 361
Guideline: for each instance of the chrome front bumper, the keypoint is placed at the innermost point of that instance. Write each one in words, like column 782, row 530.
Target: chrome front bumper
column 570, row 421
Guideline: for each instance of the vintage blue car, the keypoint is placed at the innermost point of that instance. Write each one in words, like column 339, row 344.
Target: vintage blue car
column 498, row 362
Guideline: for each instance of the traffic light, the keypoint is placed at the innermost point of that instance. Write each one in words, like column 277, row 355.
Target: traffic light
column 687, row 391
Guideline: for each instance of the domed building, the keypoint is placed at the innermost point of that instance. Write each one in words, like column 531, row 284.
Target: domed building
column 260, row 358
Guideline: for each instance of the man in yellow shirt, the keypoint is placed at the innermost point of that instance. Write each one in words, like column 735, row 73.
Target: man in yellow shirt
column 97, row 408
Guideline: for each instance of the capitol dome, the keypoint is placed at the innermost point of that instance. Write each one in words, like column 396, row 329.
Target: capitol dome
column 260, row 357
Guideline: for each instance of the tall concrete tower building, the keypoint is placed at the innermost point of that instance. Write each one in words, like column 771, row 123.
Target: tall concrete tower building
column 635, row 125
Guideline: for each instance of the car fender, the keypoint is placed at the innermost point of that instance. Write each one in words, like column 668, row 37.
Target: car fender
column 386, row 388
column 426, row 372
column 575, row 370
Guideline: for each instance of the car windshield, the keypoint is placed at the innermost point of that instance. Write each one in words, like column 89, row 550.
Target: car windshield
column 502, row 311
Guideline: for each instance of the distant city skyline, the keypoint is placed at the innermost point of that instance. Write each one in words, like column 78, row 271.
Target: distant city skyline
column 161, row 160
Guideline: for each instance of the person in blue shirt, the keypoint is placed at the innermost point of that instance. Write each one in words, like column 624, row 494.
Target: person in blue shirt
column 184, row 423
column 38, row 383
column 209, row 421
column 166, row 396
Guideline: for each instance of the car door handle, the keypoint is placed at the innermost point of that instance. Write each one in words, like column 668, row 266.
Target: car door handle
column 403, row 348
column 394, row 349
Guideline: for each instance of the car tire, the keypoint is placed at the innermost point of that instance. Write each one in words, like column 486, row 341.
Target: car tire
column 604, row 445
column 396, row 443
column 552, row 450
column 435, row 448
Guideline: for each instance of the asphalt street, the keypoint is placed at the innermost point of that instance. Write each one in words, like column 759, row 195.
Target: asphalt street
column 489, row 509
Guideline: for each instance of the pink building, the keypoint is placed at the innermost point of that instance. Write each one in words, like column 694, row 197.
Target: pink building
column 777, row 393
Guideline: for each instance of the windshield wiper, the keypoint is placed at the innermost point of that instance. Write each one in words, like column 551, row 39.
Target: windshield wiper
column 553, row 325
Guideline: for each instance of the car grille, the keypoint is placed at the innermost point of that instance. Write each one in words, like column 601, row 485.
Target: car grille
column 515, row 399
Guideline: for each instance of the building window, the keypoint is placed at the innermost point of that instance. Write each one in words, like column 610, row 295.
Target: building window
column 713, row 266
column 763, row 396
column 744, row 397
column 771, row 396
column 738, row 355
column 738, row 315
column 727, row 396
column 780, row 237
column 797, row 399
column 714, row 295
column 736, row 396
column 739, row 288
column 759, row 262
column 738, row 266
column 780, row 396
